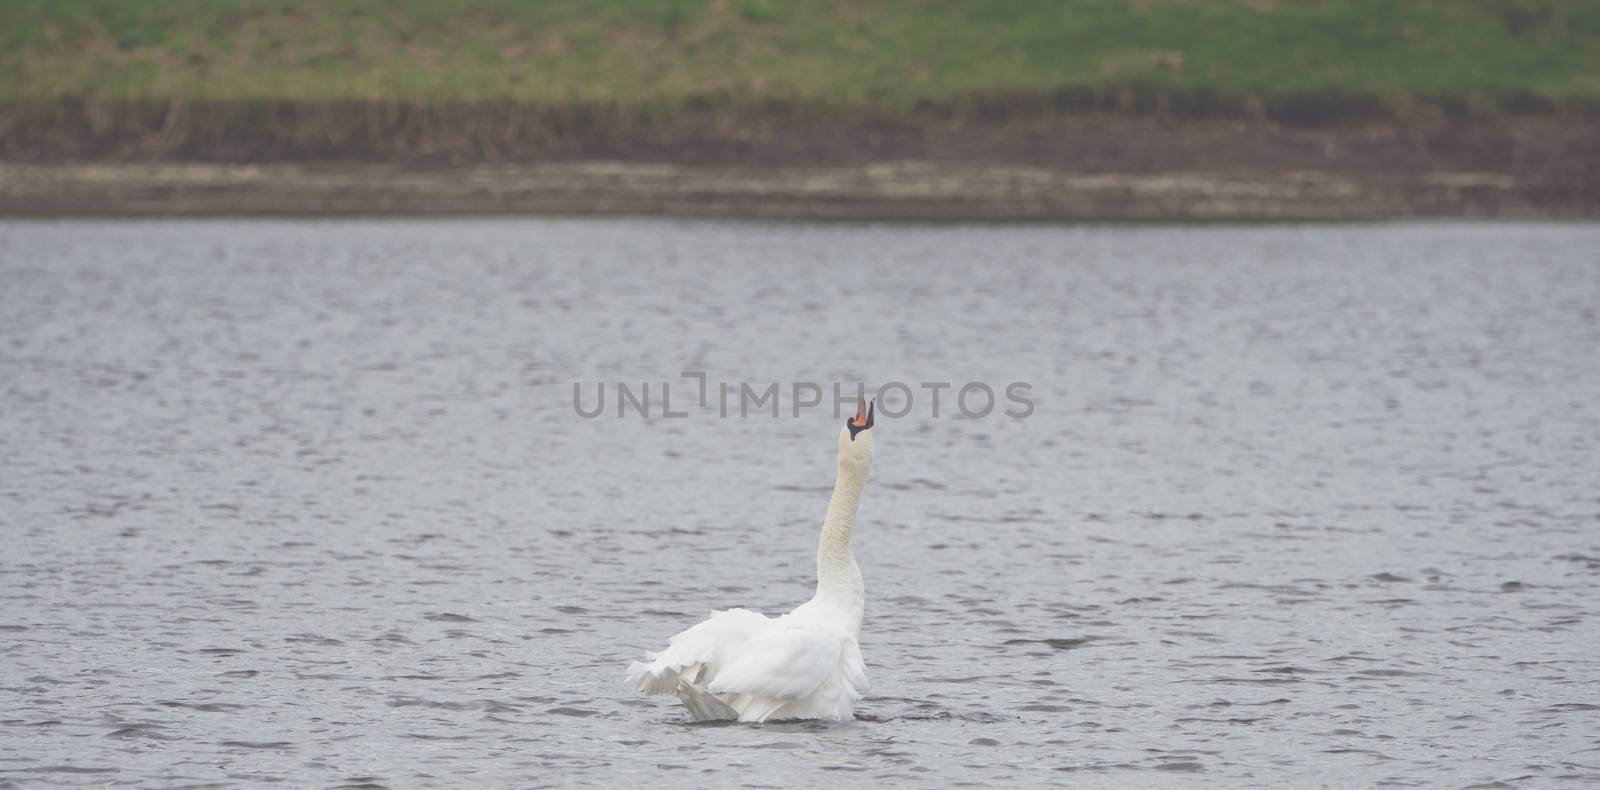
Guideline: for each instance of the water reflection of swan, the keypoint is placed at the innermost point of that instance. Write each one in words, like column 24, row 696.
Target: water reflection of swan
column 743, row 665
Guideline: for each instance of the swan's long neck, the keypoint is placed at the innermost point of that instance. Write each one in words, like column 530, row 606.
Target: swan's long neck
column 838, row 578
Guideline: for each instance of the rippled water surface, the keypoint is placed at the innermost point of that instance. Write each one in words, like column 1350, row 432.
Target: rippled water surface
column 307, row 503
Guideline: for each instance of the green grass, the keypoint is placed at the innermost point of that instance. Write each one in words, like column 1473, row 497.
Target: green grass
column 875, row 53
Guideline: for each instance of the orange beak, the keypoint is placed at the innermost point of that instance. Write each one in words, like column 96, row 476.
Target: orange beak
column 861, row 411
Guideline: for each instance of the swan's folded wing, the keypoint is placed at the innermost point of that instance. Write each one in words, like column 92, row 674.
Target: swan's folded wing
column 692, row 652
column 787, row 662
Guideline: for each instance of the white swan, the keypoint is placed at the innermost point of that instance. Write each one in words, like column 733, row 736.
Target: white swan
column 743, row 665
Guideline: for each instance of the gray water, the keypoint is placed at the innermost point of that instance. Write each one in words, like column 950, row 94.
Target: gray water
column 307, row 504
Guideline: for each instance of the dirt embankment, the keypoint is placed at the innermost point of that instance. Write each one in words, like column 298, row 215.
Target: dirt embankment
column 372, row 157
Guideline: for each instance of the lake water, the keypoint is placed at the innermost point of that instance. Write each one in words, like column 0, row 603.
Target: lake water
column 308, row 504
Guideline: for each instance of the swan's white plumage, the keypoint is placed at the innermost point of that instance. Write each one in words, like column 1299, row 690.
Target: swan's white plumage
column 803, row 665
column 798, row 666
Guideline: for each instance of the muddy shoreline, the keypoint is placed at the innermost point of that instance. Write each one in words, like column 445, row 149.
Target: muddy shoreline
column 176, row 158
column 908, row 190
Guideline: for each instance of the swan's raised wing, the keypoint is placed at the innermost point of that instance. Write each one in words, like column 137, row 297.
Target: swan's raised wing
column 788, row 661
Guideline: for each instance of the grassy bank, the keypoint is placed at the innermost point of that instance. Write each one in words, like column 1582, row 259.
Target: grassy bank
column 950, row 56
column 1261, row 108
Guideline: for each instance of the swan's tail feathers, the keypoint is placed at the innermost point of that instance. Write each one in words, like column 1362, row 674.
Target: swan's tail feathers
column 693, row 655
column 703, row 705
column 653, row 678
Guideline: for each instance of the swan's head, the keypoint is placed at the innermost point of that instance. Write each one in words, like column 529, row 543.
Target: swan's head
column 855, row 438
